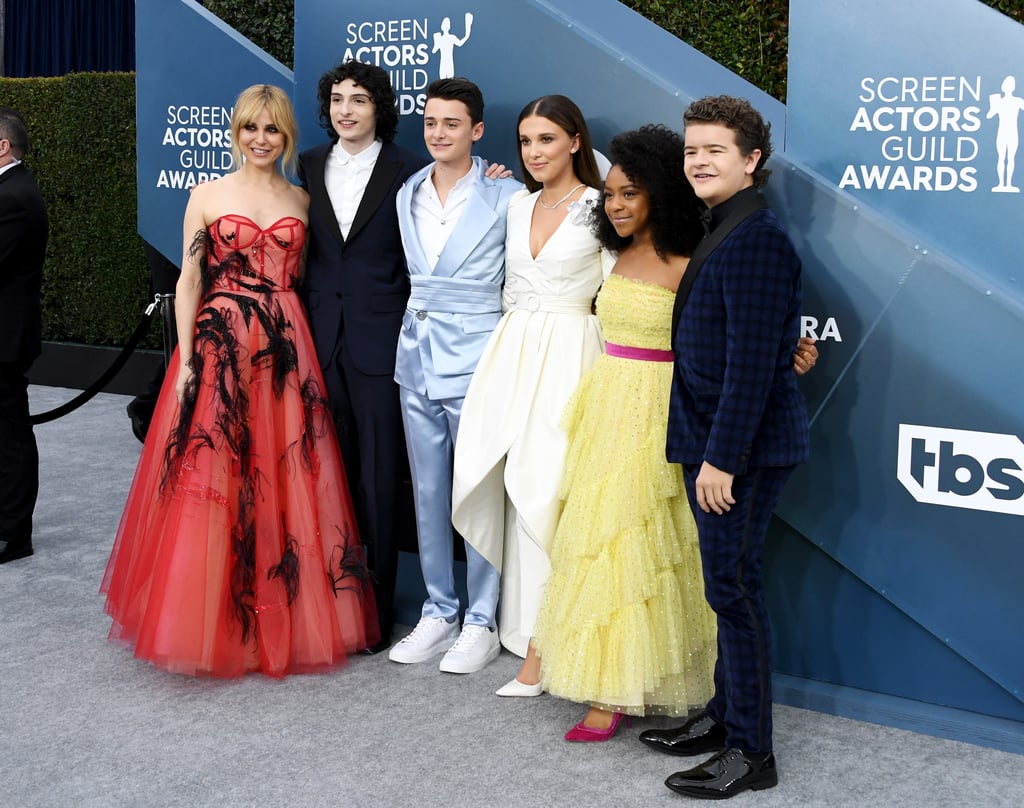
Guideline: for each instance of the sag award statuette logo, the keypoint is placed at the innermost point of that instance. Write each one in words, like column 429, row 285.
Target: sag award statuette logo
column 405, row 48
column 1007, row 106
column 929, row 134
column 445, row 43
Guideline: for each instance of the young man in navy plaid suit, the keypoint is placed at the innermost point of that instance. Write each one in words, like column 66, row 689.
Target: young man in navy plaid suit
column 738, row 425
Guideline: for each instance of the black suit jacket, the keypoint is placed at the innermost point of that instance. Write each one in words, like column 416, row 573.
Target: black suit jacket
column 24, row 229
column 361, row 281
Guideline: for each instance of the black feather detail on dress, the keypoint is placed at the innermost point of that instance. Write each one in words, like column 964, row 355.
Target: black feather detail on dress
column 347, row 569
column 288, row 569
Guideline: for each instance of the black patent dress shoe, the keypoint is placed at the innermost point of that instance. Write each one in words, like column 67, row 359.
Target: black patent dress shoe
column 12, row 551
column 698, row 736
column 725, row 775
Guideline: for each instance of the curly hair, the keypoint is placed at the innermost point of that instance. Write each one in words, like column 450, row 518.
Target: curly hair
column 752, row 132
column 564, row 113
column 375, row 81
column 652, row 158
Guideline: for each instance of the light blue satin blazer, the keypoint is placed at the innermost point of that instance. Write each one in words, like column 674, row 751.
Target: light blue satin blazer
column 453, row 308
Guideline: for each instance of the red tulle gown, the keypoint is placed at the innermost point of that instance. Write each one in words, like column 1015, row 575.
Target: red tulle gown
column 238, row 548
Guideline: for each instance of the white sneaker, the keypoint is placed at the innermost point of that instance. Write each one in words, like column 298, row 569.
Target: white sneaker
column 477, row 647
column 432, row 636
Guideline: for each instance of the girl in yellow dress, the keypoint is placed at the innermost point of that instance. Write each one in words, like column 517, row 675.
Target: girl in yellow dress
column 623, row 624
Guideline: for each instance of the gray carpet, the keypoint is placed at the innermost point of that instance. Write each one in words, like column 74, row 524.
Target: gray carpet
column 86, row 724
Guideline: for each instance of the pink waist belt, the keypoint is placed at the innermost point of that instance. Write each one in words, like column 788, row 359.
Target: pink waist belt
column 643, row 354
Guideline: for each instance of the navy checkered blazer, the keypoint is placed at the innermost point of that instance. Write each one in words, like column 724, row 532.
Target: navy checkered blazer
column 735, row 401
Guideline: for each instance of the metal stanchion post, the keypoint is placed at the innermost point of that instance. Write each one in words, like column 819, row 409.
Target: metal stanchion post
column 170, row 325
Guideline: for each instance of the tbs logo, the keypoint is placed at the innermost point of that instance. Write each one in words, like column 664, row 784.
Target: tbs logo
column 961, row 469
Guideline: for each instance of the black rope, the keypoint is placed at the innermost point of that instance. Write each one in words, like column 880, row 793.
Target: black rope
column 109, row 373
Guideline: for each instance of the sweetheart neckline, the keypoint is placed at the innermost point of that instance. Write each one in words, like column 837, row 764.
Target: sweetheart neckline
column 255, row 224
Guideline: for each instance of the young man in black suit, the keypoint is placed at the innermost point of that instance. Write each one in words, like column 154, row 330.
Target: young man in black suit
column 24, row 229
column 356, row 288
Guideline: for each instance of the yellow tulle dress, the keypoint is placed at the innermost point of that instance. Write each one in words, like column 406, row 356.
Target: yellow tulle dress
column 623, row 624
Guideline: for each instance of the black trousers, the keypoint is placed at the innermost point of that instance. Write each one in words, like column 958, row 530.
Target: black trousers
column 368, row 417
column 19, row 457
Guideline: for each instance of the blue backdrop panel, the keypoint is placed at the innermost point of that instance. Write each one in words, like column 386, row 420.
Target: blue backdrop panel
column 906, row 358
column 883, row 88
column 191, row 67
column 863, row 639
column 915, row 490
column 619, row 68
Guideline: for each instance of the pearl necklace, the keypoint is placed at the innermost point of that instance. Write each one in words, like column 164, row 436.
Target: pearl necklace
column 560, row 201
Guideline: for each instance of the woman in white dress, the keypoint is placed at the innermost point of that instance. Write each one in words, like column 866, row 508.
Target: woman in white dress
column 510, row 450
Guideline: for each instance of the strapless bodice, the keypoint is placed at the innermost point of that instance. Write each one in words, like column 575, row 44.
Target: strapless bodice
column 636, row 313
column 271, row 256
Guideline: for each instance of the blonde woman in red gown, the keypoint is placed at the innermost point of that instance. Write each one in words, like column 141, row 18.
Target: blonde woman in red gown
column 238, row 549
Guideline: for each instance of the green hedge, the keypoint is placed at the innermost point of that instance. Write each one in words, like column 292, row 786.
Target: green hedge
column 268, row 23
column 750, row 37
column 1011, row 8
column 82, row 128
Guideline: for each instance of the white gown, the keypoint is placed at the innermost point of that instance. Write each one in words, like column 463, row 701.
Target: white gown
column 510, row 449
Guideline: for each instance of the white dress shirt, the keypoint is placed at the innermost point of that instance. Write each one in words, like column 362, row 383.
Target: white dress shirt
column 433, row 221
column 346, row 177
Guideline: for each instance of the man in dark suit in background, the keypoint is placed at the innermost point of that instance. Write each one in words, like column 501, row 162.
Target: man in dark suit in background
column 24, row 229
column 738, row 425
column 356, row 289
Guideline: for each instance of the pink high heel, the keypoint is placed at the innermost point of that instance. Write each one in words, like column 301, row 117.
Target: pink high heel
column 581, row 732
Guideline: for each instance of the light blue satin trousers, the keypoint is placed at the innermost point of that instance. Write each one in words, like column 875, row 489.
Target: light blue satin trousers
column 431, row 428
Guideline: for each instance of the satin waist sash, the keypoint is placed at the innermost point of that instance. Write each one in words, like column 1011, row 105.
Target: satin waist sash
column 553, row 305
column 643, row 354
column 454, row 295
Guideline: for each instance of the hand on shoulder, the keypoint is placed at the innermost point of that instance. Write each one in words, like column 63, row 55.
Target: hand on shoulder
column 497, row 171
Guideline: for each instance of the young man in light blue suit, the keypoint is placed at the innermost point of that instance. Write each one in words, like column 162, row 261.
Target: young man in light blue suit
column 452, row 220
